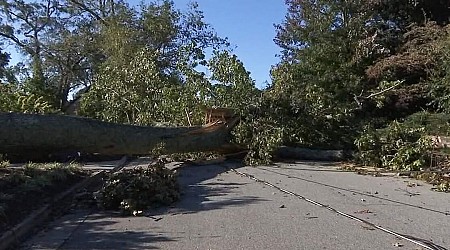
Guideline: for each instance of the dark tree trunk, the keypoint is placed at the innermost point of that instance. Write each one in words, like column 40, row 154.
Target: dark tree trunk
column 32, row 135
column 312, row 154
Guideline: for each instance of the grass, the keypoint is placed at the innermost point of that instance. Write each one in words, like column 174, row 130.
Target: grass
column 23, row 189
column 35, row 176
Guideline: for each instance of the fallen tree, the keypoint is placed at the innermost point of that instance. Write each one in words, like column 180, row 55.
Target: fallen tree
column 311, row 154
column 34, row 136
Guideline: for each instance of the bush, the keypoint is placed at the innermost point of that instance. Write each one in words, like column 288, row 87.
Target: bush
column 369, row 147
column 398, row 146
column 140, row 188
column 433, row 123
column 262, row 138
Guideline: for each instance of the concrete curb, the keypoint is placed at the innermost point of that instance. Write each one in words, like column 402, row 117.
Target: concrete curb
column 12, row 237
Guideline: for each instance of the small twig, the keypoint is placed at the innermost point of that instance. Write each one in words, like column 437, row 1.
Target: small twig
column 383, row 91
column 357, row 98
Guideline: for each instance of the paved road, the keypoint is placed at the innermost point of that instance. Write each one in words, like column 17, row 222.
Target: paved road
column 221, row 209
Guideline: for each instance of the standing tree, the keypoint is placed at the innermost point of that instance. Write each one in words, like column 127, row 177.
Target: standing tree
column 56, row 38
column 412, row 34
column 150, row 74
column 346, row 62
column 322, row 66
column 24, row 25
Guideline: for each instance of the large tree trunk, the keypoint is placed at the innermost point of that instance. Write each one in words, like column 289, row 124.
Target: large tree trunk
column 312, row 154
column 37, row 135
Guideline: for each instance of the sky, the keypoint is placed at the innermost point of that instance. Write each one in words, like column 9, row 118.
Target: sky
column 249, row 26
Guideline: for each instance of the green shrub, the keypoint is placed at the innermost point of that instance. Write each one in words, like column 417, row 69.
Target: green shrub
column 399, row 146
column 262, row 139
column 369, row 147
column 434, row 124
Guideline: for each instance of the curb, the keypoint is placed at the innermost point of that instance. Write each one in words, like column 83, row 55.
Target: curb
column 13, row 237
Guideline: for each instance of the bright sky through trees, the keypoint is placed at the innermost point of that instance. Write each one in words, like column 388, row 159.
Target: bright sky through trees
column 248, row 24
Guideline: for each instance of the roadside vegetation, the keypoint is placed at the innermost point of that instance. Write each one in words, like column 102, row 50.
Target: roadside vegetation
column 26, row 188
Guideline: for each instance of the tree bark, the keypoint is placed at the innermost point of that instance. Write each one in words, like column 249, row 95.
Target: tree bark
column 311, row 154
column 36, row 135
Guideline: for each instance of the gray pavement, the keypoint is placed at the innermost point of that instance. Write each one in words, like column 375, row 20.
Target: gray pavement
column 220, row 209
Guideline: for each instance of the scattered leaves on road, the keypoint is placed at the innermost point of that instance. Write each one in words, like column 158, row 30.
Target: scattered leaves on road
column 365, row 211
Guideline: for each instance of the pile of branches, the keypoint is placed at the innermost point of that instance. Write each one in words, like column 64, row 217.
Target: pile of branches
column 134, row 190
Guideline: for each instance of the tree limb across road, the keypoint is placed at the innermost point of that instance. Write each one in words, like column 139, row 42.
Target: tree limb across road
column 35, row 135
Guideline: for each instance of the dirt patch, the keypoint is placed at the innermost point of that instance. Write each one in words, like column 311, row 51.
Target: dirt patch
column 23, row 190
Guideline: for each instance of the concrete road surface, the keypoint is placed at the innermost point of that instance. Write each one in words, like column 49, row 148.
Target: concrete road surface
column 221, row 209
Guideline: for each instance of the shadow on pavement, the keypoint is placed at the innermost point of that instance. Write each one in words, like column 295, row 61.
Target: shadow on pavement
column 98, row 232
column 203, row 188
column 82, row 230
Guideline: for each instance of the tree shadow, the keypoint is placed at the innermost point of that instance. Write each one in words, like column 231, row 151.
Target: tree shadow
column 203, row 189
column 99, row 233
column 94, row 231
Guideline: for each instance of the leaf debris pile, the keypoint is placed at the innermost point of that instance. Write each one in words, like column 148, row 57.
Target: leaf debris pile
column 138, row 189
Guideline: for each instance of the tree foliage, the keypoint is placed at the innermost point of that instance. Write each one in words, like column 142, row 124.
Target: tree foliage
column 328, row 45
column 4, row 61
column 322, row 68
column 347, row 65
column 15, row 100
column 398, row 147
column 439, row 86
column 151, row 74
